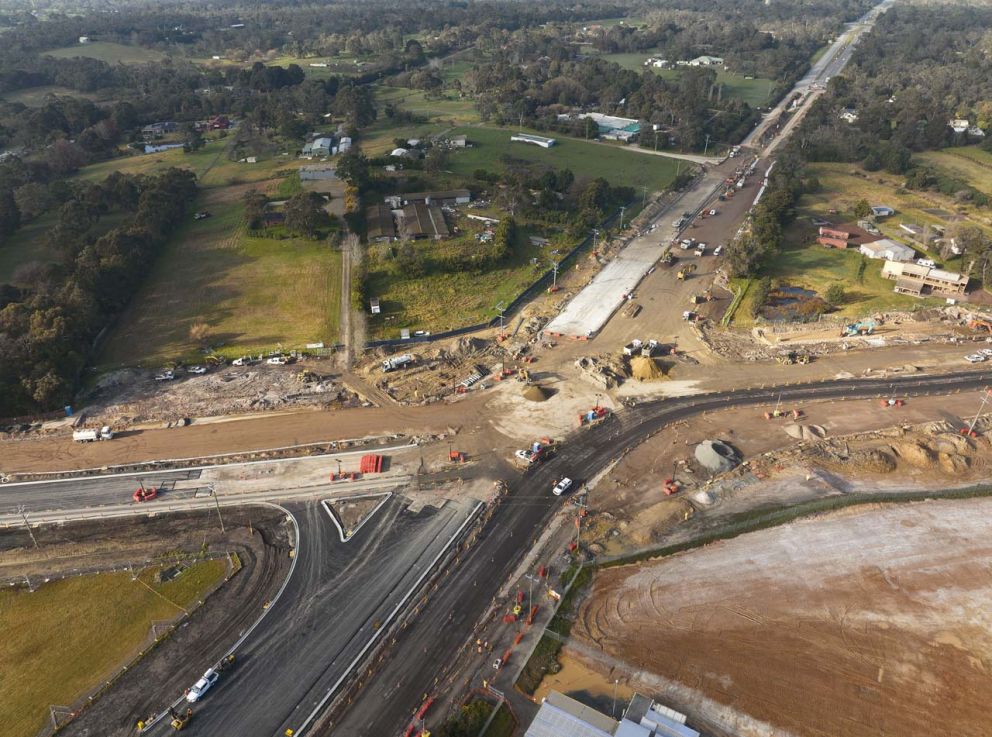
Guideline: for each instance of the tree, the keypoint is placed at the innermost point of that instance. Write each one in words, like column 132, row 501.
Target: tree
column 192, row 139
column 862, row 209
column 305, row 213
column 255, row 203
column 353, row 168
column 435, row 160
column 10, row 216
column 835, row 294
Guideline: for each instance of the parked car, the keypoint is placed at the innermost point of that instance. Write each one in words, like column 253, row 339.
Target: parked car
column 196, row 370
column 277, row 361
column 974, row 358
column 562, row 486
column 202, row 686
column 987, row 352
column 712, row 212
column 167, row 375
column 718, row 250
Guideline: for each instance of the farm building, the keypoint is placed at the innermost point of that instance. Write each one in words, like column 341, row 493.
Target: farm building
column 888, row 249
column 424, row 221
column 449, row 197
column 536, row 140
column 923, row 281
column 844, row 236
column 318, row 147
column 379, row 223
column 882, row 211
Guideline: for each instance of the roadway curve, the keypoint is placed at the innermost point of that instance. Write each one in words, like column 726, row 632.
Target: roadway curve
column 421, row 655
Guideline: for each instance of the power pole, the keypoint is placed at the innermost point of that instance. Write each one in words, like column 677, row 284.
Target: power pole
column 707, row 146
column 622, row 208
column 24, row 516
column 213, row 493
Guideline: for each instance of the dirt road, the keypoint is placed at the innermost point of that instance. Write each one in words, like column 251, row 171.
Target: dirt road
column 865, row 623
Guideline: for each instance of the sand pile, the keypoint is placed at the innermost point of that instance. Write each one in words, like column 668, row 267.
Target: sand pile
column 536, row 393
column 716, row 456
column 875, row 460
column 805, row 432
column 916, row 454
column 643, row 368
column 953, row 464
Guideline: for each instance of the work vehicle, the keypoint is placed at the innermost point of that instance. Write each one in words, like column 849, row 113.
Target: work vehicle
column 562, row 486
column 179, row 721
column 397, row 362
column 144, row 493
column 701, row 249
column 88, row 436
column 678, row 222
column 686, row 243
column 196, row 370
column 167, row 375
column 718, row 250
column 210, row 677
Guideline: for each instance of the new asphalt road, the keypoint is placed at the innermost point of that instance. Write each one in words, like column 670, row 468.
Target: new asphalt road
column 445, row 624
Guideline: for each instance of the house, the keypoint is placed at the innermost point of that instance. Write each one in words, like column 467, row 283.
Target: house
column 449, row 197
column 219, row 123
column 849, row 115
column 655, row 62
column 319, row 147
column 888, row 249
column 536, row 140
column 157, row 130
column 315, row 172
column 882, row 211
column 959, row 125
column 458, row 141
column 424, row 221
column 844, row 236
column 401, row 153
column 917, row 280
column 706, row 61
column 379, row 224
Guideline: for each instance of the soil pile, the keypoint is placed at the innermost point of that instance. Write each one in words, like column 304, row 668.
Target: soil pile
column 805, row 432
column 916, row 454
column 536, row 393
column 716, row 456
column 643, row 368
column 875, row 460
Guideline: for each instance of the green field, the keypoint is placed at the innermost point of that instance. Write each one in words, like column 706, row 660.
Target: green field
column 586, row 159
column 969, row 163
column 37, row 96
column 443, row 301
column 253, row 293
column 111, row 53
column 449, row 106
column 69, row 636
column 755, row 92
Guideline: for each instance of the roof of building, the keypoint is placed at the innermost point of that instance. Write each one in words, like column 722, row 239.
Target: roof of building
column 909, row 270
column 887, row 246
column 452, row 194
column 424, row 220
column 379, row 222
column 532, row 139
column 561, row 716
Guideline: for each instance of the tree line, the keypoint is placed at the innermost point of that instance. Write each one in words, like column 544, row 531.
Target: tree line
column 49, row 321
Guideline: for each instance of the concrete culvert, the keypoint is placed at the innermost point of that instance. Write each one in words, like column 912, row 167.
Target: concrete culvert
column 716, row 456
column 536, row 393
column 643, row 368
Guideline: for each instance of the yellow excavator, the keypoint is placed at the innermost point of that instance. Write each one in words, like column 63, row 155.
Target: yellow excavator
column 180, row 720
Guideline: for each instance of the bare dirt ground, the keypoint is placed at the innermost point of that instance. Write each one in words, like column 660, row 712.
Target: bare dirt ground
column 858, row 624
column 257, row 535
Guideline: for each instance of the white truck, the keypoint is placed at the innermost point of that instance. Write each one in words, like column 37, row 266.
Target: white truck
column 88, row 436
column 397, row 362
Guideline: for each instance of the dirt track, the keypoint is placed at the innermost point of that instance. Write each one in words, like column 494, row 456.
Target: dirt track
column 865, row 623
column 203, row 637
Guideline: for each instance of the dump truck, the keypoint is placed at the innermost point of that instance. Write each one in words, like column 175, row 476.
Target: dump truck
column 88, row 436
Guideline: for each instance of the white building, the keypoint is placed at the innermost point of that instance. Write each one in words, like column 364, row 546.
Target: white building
column 561, row 716
column 888, row 249
column 959, row 125
column 536, row 140
column 706, row 61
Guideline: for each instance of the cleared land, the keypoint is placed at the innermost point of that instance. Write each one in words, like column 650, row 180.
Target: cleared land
column 253, row 293
column 864, row 623
column 111, row 53
column 97, row 621
column 36, row 96
column 587, row 160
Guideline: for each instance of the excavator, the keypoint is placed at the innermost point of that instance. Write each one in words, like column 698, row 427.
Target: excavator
column 979, row 324
column 864, row 327
column 685, row 271
column 180, row 720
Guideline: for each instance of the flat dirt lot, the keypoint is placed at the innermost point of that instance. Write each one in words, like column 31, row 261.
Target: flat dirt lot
column 862, row 623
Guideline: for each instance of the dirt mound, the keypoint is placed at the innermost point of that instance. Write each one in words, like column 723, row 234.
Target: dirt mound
column 805, row 432
column 717, row 456
column 953, row 464
column 951, row 443
column 875, row 460
column 536, row 393
column 467, row 346
column 916, row 454
column 643, row 368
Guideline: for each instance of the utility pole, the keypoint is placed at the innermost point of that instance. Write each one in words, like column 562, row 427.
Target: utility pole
column 974, row 421
column 213, row 493
column 27, row 525
column 613, row 711
column 707, row 146
column 554, row 277
column 622, row 208
column 500, row 308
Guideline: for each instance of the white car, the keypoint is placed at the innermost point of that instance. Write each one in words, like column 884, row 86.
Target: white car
column 196, row 370
column 202, row 686
column 712, row 212
column 718, row 250
column 525, row 455
column 975, row 358
column 167, row 375
column 562, row 486
column 987, row 352
column 243, row 361
column 277, row 361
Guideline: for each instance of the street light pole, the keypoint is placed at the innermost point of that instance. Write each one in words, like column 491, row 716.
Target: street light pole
column 27, row 525
column 613, row 711
column 622, row 208
column 213, row 493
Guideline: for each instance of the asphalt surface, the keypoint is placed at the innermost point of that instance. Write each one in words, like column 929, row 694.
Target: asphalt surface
column 329, row 610
column 445, row 624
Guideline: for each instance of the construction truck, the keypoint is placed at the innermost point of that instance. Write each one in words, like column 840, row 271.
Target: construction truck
column 397, row 362
column 594, row 416
column 88, row 436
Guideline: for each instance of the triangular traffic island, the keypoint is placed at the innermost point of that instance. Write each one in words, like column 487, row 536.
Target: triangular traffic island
column 349, row 513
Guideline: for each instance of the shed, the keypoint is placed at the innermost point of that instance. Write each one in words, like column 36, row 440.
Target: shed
column 888, row 249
